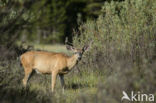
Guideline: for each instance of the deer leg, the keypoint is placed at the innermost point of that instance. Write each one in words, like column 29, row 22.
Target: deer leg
column 62, row 81
column 28, row 71
column 54, row 77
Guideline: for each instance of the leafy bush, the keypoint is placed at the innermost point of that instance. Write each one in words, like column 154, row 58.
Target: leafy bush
column 123, row 48
column 124, row 29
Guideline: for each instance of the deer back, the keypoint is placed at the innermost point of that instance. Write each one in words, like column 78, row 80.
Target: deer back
column 44, row 62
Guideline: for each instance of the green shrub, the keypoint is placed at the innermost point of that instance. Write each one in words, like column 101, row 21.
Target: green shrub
column 124, row 48
column 124, row 29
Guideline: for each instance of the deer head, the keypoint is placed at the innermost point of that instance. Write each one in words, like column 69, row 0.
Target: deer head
column 78, row 52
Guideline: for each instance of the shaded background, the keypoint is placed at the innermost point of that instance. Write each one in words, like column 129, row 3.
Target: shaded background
column 48, row 21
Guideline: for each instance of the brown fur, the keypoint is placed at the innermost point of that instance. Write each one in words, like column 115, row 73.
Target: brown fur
column 49, row 63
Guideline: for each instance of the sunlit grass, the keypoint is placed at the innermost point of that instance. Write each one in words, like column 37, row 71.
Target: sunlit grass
column 54, row 48
column 74, row 82
column 59, row 48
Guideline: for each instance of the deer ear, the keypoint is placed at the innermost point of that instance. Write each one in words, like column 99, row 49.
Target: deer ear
column 69, row 47
column 85, row 48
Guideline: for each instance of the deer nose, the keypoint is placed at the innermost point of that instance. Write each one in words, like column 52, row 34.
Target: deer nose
column 79, row 55
column 79, row 58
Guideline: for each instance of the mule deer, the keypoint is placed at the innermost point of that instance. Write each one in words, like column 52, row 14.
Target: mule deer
column 51, row 63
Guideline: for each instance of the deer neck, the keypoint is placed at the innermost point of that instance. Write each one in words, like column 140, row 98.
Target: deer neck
column 72, row 61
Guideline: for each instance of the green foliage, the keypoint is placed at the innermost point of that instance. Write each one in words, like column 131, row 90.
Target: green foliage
column 123, row 48
column 50, row 24
column 124, row 27
column 14, row 16
column 44, row 21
